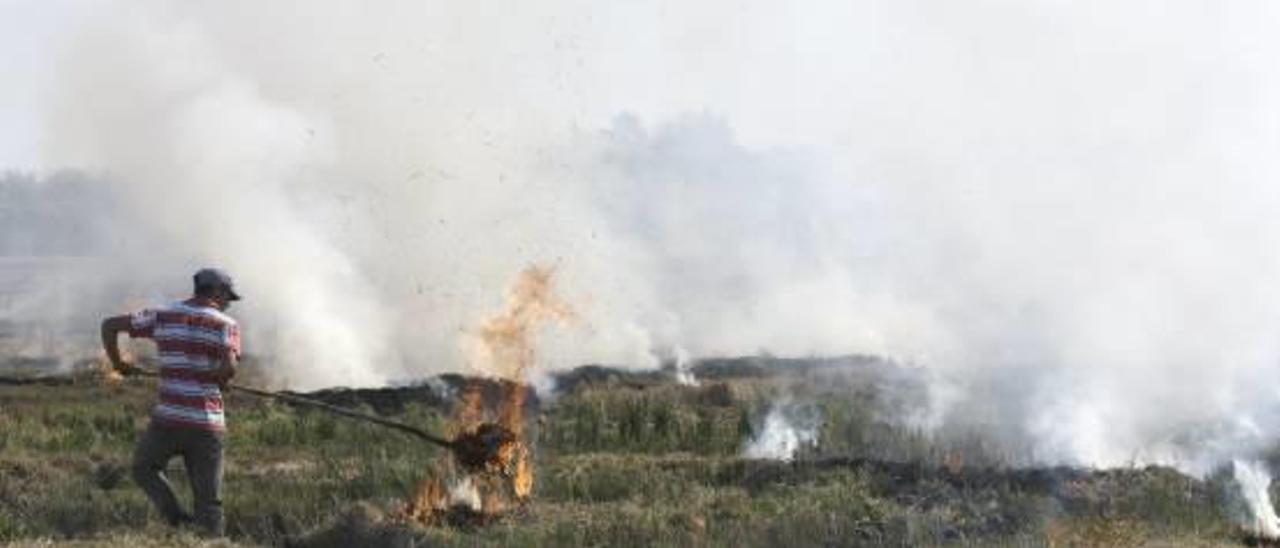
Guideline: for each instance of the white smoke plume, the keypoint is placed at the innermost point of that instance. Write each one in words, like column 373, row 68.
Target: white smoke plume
column 677, row 362
column 683, row 367
column 1254, row 481
column 1064, row 210
column 787, row 429
column 463, row 492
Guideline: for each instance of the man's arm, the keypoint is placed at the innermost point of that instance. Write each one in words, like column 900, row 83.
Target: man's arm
column 230, row 360
column 111, row 329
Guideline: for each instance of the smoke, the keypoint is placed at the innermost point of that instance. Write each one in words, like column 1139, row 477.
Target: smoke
column 787, row 429
column 1254, row 482
column 463, row 492
column 1064, row 210
column 683, row 368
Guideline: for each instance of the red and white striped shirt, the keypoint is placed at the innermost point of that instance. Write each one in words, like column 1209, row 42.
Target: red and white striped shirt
column 192, row 337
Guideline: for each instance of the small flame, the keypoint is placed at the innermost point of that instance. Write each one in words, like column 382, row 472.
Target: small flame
column 430, row 500
column 521, row 472
column 112, row 376
column 109, row 373
column 435, row 503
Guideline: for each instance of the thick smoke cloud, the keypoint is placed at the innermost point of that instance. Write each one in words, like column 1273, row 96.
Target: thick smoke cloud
column 1063, row 210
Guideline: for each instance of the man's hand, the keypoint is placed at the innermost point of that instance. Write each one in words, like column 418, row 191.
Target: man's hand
column 111, row 329
column 226, row 370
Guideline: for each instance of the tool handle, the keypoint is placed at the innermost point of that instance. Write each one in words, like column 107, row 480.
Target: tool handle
column 299, row 400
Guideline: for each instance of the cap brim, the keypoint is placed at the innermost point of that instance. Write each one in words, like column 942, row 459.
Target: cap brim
column 233, row 295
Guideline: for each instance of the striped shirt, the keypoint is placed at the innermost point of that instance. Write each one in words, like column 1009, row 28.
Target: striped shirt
column 192, row 338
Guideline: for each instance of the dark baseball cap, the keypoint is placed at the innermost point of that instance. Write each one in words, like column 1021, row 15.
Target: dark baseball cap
column 216, row 277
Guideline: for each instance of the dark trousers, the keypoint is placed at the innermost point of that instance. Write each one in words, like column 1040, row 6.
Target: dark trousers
column 201, row 452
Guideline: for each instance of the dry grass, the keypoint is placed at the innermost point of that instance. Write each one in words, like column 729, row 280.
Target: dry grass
column 628, row 461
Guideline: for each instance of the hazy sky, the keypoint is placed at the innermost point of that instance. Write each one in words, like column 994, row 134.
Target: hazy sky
column 1064, row 208
column 29, row 30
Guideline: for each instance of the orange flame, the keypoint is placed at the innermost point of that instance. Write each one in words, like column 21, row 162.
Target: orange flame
column 507, row 351
column 431, row 499
column 509, row 339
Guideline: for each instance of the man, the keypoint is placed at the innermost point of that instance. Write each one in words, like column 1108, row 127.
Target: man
column 198, row 347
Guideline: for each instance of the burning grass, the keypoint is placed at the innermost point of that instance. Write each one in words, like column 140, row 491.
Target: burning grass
column 490, row 473
column 490, row 442
column 616, row 464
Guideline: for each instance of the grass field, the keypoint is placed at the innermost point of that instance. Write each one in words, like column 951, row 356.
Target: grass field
column 621, row 460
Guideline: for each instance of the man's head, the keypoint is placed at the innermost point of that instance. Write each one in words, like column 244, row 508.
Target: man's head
column 215, row 284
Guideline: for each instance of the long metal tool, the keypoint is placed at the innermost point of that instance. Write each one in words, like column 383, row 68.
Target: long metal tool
column 488, row 446
column 299, row 400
